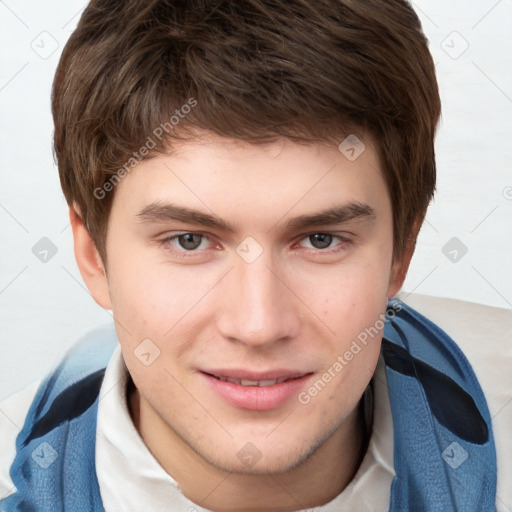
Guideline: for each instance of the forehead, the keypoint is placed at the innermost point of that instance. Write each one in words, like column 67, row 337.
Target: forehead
column 226, row 175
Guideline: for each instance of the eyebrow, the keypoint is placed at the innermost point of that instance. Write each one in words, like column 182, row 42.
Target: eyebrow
column 164, row 212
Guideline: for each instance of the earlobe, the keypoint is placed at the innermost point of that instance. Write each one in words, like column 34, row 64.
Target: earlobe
column 399, row 269
column 397, row 276
column 401, row 265
column 89, row 261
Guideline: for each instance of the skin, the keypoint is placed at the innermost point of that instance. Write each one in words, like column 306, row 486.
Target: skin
column 298, row 305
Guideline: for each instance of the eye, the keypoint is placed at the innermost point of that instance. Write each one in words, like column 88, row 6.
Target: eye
column 187, row 241
column 323, row 240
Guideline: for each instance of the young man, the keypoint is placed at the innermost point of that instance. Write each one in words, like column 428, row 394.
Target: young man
column 246, row 182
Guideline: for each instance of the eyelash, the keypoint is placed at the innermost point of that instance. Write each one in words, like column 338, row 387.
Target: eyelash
column 167, row 241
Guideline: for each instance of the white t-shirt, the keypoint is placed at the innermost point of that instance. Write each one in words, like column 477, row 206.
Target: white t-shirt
column 483, row 333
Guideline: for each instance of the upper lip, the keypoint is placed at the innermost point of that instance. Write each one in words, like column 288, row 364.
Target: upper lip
column 241, row 374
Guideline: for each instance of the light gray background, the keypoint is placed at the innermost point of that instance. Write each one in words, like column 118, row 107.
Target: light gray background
column 44, row 306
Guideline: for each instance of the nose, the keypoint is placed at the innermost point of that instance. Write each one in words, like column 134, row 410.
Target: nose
column 258, row 307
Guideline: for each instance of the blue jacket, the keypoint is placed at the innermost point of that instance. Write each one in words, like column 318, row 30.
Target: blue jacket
column 444, row 453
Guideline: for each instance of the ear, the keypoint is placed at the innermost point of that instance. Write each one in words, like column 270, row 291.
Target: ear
column 400, row 266
column 89, row 261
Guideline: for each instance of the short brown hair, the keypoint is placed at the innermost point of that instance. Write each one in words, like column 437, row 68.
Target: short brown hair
column 253, row 70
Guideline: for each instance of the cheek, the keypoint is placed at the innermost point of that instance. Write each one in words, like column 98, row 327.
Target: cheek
column 139, row 302
column 353, row 351
column 353, row 306
column 353, row 297
column 156, row 302
column 150, row 297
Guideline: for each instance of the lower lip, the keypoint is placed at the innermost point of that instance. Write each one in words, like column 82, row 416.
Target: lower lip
column 257, row 398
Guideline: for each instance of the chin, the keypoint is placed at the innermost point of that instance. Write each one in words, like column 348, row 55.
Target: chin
column 259, row 457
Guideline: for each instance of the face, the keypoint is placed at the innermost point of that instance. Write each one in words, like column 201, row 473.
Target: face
column 240, row 278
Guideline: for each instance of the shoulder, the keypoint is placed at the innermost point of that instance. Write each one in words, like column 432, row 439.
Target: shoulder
column 78, row 372
column 484, row 334
column 450, row 311
column 13, row 411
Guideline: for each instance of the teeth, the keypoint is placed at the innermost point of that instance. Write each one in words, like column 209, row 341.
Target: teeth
column 245, row 382
column 267, row 382
column 249, row 382
column 260, row 383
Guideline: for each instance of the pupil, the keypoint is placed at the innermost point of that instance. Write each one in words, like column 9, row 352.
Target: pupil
column 320, row 240
column 190, row 241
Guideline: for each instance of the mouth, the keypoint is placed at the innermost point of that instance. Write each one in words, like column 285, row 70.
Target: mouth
column 256, row 391
column 251, row 382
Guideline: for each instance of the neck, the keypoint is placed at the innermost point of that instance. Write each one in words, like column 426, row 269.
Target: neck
column 314, row 482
